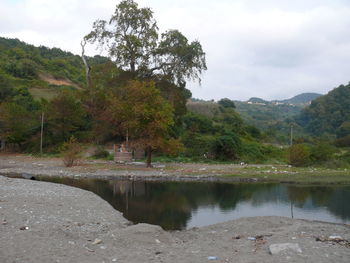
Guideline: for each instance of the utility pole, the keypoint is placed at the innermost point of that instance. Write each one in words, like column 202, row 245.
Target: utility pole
column 291, row 134
column 41, row 133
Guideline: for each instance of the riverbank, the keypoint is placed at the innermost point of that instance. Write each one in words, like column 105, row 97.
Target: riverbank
column 17, row 165
column 46, row 222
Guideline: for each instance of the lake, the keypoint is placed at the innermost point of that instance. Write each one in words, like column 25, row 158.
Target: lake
column 182, row 205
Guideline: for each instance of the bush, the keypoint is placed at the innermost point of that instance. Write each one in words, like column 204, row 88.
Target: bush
column 322, row 152
column 343, row 141
column 299, row 155
column 100, row 153
column 197, row 145
column 71, row 152
column 227, row 147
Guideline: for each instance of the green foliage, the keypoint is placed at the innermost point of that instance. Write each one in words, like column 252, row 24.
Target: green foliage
column 227, row 103
column 328, row 113
column 322, row 152
column 17, row 123
column 343, row 130
column 198, row 145
column 299, row 155
column 253, row 131
column 343, row 141
column 26, row 66
column 253, row 152
column 196, row 123
column 132, row 42
column 100, row 153
column 139, row 110
column 65, row 118
column 227, row 146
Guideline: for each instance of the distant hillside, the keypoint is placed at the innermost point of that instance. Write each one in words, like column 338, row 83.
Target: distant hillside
column 257, row 101
column 267, row 115
column 206, row 108
column 42, row 70
column 304, row 98
column 327, row 114
column 257, row 114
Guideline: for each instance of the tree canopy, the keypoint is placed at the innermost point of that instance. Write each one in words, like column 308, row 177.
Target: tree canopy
column 132, row 40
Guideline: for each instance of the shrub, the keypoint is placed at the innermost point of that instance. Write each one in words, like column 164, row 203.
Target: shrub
column 100, row 153
column 343, row 141
column 299, row 155
column 322, row 152
column 227, row 147
column 71, row 152
column 198, row 145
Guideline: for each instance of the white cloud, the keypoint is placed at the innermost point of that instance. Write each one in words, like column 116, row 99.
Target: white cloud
column 271, row 49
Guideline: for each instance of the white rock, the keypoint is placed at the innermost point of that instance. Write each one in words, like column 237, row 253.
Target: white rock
column 278, row 248
column 97, row 241
column 334, row 237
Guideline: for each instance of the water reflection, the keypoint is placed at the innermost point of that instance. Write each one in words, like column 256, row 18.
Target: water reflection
column 175, row 205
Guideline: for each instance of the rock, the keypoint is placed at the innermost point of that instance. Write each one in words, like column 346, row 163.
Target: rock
column 275, row 249
column 97, row 241
column 335, row 238
column 212, row 258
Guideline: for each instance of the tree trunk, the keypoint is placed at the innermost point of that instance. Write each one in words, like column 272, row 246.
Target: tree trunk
column 132, row 66
column 149, row 156
column 87, row 67
column 2, row 145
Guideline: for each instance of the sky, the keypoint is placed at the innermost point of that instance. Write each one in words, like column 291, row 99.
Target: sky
column 272, row 49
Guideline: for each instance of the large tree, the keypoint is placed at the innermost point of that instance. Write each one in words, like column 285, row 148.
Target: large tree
column 132, row 40
column 139, row 108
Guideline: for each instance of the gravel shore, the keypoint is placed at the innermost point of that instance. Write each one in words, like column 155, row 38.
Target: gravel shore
column 46, row 222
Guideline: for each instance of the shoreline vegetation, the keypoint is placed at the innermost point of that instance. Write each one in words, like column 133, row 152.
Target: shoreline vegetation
column 19, row 165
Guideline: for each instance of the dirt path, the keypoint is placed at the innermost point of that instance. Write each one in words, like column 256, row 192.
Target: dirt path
column 45, row 222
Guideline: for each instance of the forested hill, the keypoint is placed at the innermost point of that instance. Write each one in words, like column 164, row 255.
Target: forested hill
column 304, row 98
column 258, row 112
column 40, row 69
column 328, row 114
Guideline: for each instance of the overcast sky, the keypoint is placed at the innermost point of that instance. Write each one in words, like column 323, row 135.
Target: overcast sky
column 272, row 49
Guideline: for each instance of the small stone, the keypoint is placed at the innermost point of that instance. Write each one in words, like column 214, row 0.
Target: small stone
column 251, row 238
column 278, row 248
column 335, row 238
column 24, row 228
column 212, row 258
column 114, row 260
column 157, row 241
column 97, row 241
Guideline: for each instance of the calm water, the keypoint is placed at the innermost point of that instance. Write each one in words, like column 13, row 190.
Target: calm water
column 174, row 205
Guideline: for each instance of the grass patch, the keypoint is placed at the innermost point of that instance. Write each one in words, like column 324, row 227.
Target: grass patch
column 283, row 174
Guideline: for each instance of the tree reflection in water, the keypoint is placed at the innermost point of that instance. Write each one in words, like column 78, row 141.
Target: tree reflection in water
column 172, row 204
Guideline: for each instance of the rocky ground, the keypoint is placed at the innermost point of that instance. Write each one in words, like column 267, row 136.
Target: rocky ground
column 12, row 164
column 45, row 222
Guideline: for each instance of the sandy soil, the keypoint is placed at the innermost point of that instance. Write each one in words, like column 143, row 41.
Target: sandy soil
column 45, row 222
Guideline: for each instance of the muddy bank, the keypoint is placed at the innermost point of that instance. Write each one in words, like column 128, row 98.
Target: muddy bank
column 45, row 222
